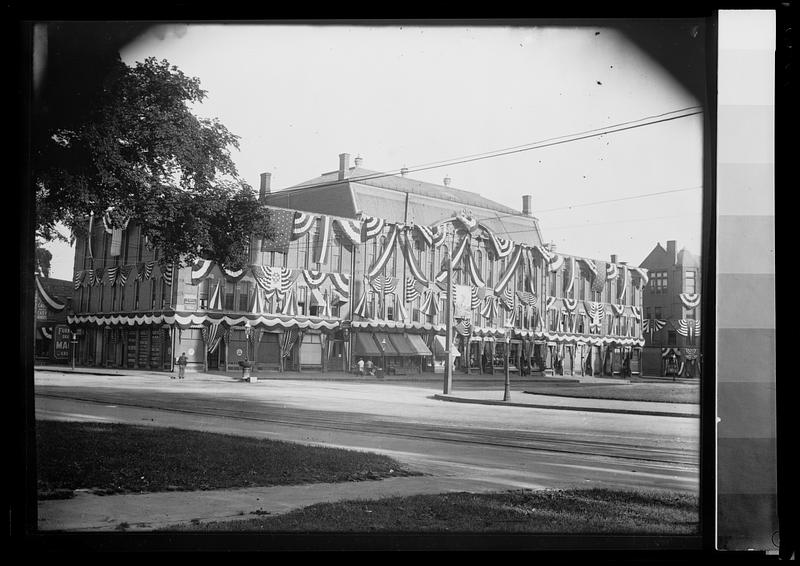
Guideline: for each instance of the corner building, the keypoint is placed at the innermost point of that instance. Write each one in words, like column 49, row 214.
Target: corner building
column 355, row 270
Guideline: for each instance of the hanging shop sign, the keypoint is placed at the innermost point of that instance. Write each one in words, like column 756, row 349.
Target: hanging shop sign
column 61, row 342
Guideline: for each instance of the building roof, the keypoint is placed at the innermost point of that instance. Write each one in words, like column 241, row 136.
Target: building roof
column 401, row 199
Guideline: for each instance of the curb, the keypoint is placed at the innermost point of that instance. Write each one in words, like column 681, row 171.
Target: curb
column 442, row 397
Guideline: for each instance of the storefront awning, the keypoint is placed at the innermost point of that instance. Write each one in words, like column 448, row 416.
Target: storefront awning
column 364, row 345
column 419, row 345
column 386, row 344
column 440, row 348
column 402, row 345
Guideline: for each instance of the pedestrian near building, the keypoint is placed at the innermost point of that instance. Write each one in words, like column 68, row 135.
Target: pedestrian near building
column 181, row 366
column 360, row 367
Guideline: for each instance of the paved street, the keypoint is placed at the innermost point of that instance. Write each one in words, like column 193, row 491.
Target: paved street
column 470, row 445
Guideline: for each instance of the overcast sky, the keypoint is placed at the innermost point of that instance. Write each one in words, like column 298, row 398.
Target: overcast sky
column 298, row 96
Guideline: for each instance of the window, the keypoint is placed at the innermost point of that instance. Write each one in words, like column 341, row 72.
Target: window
column 690, row 282
column 153, row 289
column 647, row 312
column 479, row 263
column 230, row 293
column 302, row 300
column 672, row 338
column 553, row 284
column 489, row 270
column 658, row 282
column 657, row 312
column 336, row 256
column 582, row 287
column 690, row 314
column 244, row 295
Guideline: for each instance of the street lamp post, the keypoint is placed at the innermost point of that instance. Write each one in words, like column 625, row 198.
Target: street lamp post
column 507, row 383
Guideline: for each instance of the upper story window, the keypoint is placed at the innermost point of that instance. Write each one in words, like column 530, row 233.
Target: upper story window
column 690, row 282
column 658, row 282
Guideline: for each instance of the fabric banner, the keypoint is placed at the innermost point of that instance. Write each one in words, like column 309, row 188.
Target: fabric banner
column 641, row 277
column 78, row 278
column 289, row 306
column 166, row 273
column 569, row 304
column 690, row 300
column 502, row 247
column 637, row 312
column 281, row 223
column 288, row 341
column 544, row 253
column 475, row 301
column 111, row 274
column 200, row 270
column 549, row 302
column 323, row 239
column 510, row 270
column 350, row 229
column 52, row 304
column 526, row 298
column 490, row 305
column 212, row 335
column 215, row 302
column 411, row 259
column 463, row 327
column 624, row 287
column 474, row 271
column 569, row 276
column 371, row 227
column 617, row 310
column 556, row 262
column 430, row 303
column 302, row 224
column 386, row 253
column 361, row 306
column 688, row 328
column 596, row 315
column 590, row 266
column 653, row 325
column 257, row 302
column 599, row 281
column 273, row 280
column 314, row 278
column 341, row 282
column 400, row 313
column 383, row 284
column 425, row 234
column 234, row 275
column 611, row 271
column 144, row 270
column 507, row 299
column 411, row 291
column 99, row 276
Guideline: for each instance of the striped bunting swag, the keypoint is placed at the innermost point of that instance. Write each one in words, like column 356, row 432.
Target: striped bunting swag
column 341, row 282
column 273, row 279
column 372, row 227
column 597, row 313
column 411, row 292
column 590, row 266
column 323, row 238
column 502, row 247
column 388, row 250
column 474, row 272
column 569, row 276
column 690, row 300
column 215, row 303
column 314, row 278
column 637, row 312
column 622, row 288
column 400, row 313
column 144, row 270
column 425, row 234
column 475, row 301
column 510, row 269
column 439, row 236
column 507, row 299
column 383, row 284
column 98, row 276
column 641, row 272
column 526, row 298
column 546, row 255
column 617, row 310
column 78, row 278
column 166, row 273
column 430, row 303
column 234, row 274
column 303, row 223
column 111, row 274
column 47, row 332
column 361, row 307
column 200, row 270
column 411, row 259
column 556, row 262
column 652, row 325
column 211, row 336
column 287, row 342
column 352, row 229
column 688, row 328
column 549, row 302
column 569, row 304
column 124, row 272
column 463, row 327
column 611, row 271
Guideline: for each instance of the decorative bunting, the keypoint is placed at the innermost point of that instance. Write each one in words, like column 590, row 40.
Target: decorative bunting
column 569, row 276
column 341, row 282
column 467, row 221
column 323, row 237
column 526, row 298
column 596, row 312
column 624, row 287
column 556, row 261
column 510, row 269
column 289, row 306
column 281, row 223
column 475, row 301
column 371, row 227
column 411, row 259
column 144, row 270
column 302, row 225
column 383, row 284
column 688, row 328
column 98, row 276
column 273, row 280
column 234, row 275
column 52, row 304
column 215, row 302
column 599, row 281
column 361, row 306
column 611, row 271
column 544, row 252
column 425, row 234
column 652, row 325
column 549, row 303
column 411, row 292
column 257, row 302
column 637, row 312
column 590, row 266
column 490, row 305
column 474, row 271
column 351, row 229
column 642, row 277
column 212, row 336
column 386, row 253
column 79, row 278
column 47, row 332
column 430, row 303
column 463, row 327
column 287, row 342
column 690, row 300
column 200, row 270
column 439, row 236
column 314, row 278
column 507, row 299
column 502, row 247
column 569, row 305
column 400, row 313
column 617, row 309
column 111, row 274
column 91, row 278
column 166, row 273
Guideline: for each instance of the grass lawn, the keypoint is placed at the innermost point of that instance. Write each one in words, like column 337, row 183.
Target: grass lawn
column 595, row 511
column 660, row 392
column 115, row 458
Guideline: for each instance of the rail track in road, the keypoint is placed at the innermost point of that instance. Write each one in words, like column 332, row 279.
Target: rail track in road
column 597, row 446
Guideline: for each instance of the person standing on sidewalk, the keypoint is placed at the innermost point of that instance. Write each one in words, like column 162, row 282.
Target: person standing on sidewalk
column 181, row 366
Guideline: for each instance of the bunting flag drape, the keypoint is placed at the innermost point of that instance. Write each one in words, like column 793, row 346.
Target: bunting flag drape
column 47, row 332
column 166, row 273
column 637, row 312
column 569, row 276
column 200, row 270
column 474, row 271
column 323, row 238
column 590, row 266
column 288, row 340
column 289, row 304
column 502, row 247
column 386, row 253
column 690, row 300
column 455, row 258
column 624, row 287
column 599, row 281
column 439, row 236
column 549, row 303
column 463, row 327
column 361, row 306
column 215, row 302
column 144, row 270
column 314, row 278
column 341, row 282
column 400, row 313
column 569, row 304
column 411, row 259
column 351, row 229
column 507, row 299
column 383, row 284
column 510, row 269
column 111, row 274
column 281, row 222
column 617, row 310
column 544, row 253
column 425, row 234
column 79, row 278
column 52, row 304
column 302, row 224
column 257, row 302
column 490, row 305
column 91, row 278
column 475, row 301
column 98, row 276
column 688, row 328
column 430, row 303
column 597, row 314
column 611, row 271
column 234, row 275
column 411, row 291
column 212, row 335
column 556, row 261
column 527, row 298
column 371, row 227
column 274, row 280
column 651, row 325
column 641, row 275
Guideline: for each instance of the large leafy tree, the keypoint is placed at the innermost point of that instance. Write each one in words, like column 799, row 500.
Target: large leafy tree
column 139, row 151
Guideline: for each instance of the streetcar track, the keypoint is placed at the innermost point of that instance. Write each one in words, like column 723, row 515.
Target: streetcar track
column 516, row 440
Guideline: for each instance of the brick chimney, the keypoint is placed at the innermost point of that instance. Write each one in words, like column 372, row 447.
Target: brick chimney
column 672, row 252
column 527, row 208
column 344, row 165
column 613, row 258
column 446, row 181
column 358, row 160
column 266, row 178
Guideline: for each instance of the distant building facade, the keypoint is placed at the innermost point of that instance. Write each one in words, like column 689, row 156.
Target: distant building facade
column 355, row 271
column 52, row 338
column 671, row 318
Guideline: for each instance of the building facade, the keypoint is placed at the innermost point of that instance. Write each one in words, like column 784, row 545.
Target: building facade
column 671, row 312
column 356, row 271
column 52, row 337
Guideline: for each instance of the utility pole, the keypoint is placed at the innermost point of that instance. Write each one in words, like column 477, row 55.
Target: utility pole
column 448, row 313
